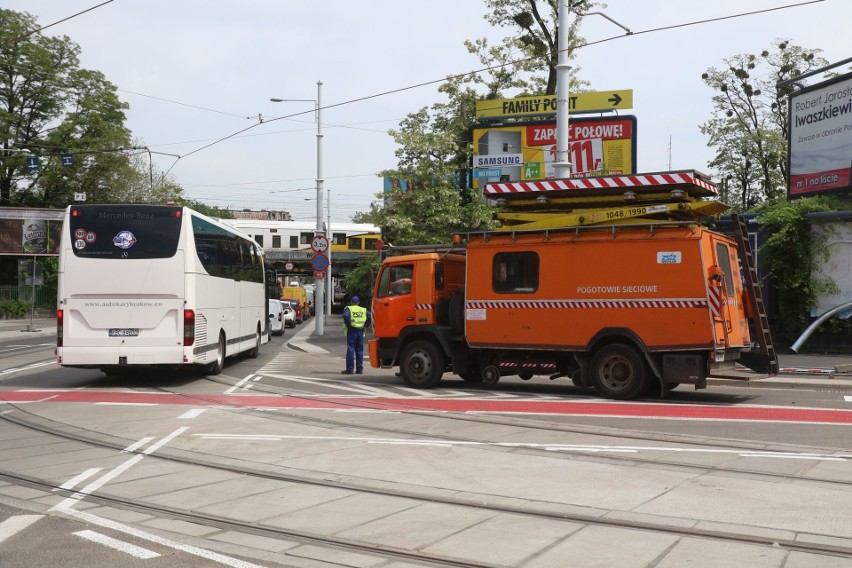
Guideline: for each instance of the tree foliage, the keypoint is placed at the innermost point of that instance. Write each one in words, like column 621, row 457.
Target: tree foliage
column 50, row 107
column 792, row 254
column 749, row 125
column 435, row 143
column 532, row 46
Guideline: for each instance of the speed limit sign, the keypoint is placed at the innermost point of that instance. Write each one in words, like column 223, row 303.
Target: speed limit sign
column 319, row 243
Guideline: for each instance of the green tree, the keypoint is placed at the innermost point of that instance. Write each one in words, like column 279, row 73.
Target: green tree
column 50, row 107
column 359, row 280
column 792, row 253
column 532, row 45
column 749, row 125
column 435, row 149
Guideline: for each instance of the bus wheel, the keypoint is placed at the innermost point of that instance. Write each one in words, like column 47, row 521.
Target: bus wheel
column 618, row 371
column 256, row 349
column 216, row 366
column 422, row 365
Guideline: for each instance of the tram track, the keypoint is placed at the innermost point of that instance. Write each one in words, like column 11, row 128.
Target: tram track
column 496, row 504
column 746, row 447
column 541, row 511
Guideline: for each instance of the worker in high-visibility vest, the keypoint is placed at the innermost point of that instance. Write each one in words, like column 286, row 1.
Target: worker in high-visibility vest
column 355, row 321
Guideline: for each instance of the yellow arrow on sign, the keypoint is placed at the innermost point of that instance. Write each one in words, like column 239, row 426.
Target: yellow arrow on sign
column 546, row 104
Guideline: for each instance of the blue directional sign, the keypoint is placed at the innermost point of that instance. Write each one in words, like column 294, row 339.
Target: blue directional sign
column 32, row 163
column 67, row 160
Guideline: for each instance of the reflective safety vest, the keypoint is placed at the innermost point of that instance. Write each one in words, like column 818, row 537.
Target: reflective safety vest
column 357, row 316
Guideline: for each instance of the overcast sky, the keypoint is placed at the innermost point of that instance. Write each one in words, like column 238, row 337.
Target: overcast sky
column 195, row 71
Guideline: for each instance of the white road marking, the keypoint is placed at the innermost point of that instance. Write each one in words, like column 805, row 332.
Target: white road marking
column 79, row 478
column 126, row 547
column 33, row 366
column 166, row 440
column 69, row 502
column 14, row 525
column 136, row 445
column 239, row 385
column 194, row 413
column 189, row 549
column 847, row 398
column 549, row 447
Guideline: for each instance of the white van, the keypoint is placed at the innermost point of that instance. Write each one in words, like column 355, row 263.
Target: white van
column 276, row 317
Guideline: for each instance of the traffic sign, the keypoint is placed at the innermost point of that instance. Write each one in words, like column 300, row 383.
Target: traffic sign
column 288, row 266
column 319, row 261
column 319, row 273
column 546, row 104
column 319, row 243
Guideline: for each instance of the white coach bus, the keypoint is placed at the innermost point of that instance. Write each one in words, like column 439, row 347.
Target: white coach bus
column 144, row 285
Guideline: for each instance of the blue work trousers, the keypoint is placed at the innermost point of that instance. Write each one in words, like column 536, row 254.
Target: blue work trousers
column 355, row 349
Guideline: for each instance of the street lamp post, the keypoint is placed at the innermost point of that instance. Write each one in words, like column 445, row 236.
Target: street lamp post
column 562, row 165
column 318, row 282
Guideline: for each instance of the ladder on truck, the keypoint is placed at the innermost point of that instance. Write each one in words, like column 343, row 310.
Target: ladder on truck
column 606, row 200
column 765, row 359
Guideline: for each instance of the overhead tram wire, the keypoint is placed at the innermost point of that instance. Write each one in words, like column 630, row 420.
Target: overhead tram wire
column 497, row 67
column 28, row 34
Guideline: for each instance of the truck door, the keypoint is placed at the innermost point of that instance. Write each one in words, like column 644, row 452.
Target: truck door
column 393, row 305
column 722, row 294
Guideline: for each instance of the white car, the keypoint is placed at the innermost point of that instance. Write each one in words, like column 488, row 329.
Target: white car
column 276, row 317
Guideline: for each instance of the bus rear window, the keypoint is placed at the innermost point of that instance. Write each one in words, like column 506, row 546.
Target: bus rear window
column 124, row 231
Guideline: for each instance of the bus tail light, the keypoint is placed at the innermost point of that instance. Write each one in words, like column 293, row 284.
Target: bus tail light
column 59, row 321
column 188, row 327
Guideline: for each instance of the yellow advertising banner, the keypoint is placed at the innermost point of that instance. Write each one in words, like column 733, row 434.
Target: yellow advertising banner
column 524, row 152
column 546, row 104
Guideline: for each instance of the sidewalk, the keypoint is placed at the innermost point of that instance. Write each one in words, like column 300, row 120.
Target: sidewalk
column 19, row 328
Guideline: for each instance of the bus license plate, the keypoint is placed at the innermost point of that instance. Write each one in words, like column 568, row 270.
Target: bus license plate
column 129, row 332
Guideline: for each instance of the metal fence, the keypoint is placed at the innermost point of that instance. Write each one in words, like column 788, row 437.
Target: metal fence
column 44, row 297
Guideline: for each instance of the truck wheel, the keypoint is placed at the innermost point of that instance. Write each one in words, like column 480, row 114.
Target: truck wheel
column 618, row 371
column 490, row 374
column 422, row 365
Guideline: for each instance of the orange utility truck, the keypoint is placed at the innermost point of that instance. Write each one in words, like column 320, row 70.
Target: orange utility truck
column 626, row 309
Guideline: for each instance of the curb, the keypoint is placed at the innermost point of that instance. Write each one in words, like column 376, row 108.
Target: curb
column 802, row 370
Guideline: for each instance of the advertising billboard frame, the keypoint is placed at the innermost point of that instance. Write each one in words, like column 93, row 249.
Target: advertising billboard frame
column 819, row 139
column 29, row 231
column 621, row 142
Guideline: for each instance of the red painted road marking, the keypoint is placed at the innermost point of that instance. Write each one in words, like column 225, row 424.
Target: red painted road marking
column 568, row 408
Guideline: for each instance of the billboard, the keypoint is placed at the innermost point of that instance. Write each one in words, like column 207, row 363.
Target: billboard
column 30, row 231
column 820, row 144
column 526, row 151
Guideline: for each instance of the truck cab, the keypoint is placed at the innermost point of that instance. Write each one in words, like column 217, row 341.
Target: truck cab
column 412, row 293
